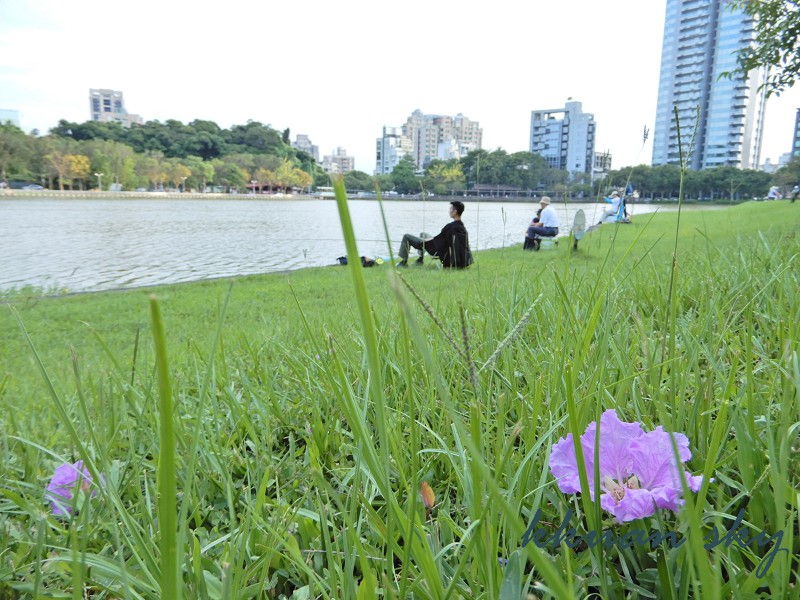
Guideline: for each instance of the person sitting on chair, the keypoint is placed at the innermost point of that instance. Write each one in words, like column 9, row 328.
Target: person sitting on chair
column 611, row 214
column 545, row 226
column 451, row 246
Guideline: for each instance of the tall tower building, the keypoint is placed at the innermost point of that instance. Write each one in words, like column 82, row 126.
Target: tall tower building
column 564, row 137
column 721, row 120
column 796, row 138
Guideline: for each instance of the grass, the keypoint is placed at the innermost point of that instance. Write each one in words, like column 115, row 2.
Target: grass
column 297, row 415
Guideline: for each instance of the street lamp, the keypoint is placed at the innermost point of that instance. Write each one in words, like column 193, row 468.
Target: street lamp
column 183, row 180
column 254, row 182
column 99, row 181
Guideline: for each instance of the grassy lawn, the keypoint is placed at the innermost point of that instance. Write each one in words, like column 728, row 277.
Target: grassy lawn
column 303, row 411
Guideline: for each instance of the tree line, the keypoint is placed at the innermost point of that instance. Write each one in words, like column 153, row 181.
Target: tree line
column 201, row 155
column 156, row 156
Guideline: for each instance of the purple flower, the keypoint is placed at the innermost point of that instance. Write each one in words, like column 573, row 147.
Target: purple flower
column 67, row 480
column 638, row 471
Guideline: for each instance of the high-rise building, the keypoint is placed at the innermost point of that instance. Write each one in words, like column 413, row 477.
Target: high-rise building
column 304, row 144
column 109, row 106
column 441, row 137
column 796, row 138
column 720, row 119
column 564, row 137
column 390, row 149
column 10, row 116
column 338, row 163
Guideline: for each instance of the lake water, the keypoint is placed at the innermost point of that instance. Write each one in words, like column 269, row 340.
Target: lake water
column 97, row 244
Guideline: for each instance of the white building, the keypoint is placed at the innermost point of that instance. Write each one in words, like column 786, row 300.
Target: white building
column 390, row 149
column 427, row 137
column 338, row 163
column 304, row 144
column 109, row 106
column 564, row 137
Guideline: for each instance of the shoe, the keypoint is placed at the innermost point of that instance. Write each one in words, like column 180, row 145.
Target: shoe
column 401, row 264
column 419, row 262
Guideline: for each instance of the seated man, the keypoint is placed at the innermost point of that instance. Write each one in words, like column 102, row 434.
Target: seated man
column 612, row 213
column 545, row 226
column 451, row 245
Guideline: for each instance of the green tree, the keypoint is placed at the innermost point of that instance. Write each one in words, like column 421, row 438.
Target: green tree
column 201, row 172
column 230, row 175
column 788, row 176
column 777, row 28
column 358, row 180
column 383, row 182
column 444, row 176
column 56, row 158
column 149, row 168
column 404, row 176
column 16, row 152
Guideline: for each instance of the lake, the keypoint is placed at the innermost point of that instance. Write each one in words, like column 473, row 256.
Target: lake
column 100, row 244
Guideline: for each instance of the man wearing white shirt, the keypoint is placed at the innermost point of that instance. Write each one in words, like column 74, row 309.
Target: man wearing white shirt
column 547, row 225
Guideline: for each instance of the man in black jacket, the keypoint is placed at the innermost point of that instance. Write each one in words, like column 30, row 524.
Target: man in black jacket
column 451, row 245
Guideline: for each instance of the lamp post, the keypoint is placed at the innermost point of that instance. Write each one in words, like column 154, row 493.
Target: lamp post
column 254, row 182
column 99, row 181
column 183, row 180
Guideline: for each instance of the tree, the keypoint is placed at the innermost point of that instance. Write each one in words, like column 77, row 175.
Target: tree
column 777, row 28
column 443, row 177
column 285, row 176
column 176, row 172
column 149, row 168
column 404, row 176
column 358, row 180
column 55, row 157
column 78, row 167
column 788, row 175
column 15, row 152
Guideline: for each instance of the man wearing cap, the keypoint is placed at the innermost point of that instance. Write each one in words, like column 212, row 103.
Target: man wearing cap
column 547, row 225
column 611, row 214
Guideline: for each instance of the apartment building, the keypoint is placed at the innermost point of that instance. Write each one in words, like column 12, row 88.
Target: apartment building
column 390, row 148
column 425, row 138
column 720, row 119
column 565, row 137
column 303, row 143
column 109, row 106
column 338, row 163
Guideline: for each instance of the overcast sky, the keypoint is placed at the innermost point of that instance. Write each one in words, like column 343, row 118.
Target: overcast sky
column 339, row 71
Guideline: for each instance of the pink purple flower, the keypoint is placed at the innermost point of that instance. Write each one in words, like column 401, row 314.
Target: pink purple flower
column 67, row 481
column 638, row 470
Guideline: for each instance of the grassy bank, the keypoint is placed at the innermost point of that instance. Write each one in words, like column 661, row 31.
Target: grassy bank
column 305, row 422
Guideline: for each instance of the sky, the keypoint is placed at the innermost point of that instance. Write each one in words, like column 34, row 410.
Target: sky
column 341, row 71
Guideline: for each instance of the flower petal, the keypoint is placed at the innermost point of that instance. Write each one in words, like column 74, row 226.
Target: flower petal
column 615, row 439
column 66, row 480
column 564, row 466
column 637, row 504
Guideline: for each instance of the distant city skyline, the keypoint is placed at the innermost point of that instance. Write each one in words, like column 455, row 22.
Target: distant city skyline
column 227, row 73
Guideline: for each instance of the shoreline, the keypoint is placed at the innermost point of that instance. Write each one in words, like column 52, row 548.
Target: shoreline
column 96, row 195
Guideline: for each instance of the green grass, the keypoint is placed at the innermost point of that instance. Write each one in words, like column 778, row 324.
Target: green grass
column 298, row 414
